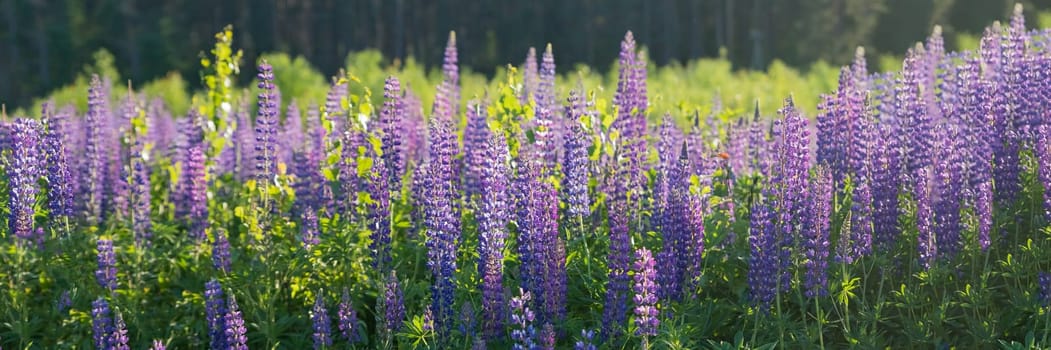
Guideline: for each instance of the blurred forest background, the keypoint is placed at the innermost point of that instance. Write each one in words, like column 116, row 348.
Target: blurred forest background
column 44, row 44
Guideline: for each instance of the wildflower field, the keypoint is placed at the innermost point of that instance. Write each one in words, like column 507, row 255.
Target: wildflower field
column 680, row 207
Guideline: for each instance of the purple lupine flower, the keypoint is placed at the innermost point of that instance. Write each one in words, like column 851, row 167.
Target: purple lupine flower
column 1044, row 281
column 630, row 100
column 194, row 195
column 541, row 251
column 1043, row 154
column 522, row 331
column 816, row 235
column 266, row 125
column 546, row 119
column 451, row 75
column 737, row 148
column 334, row 112
column 475, row 147
column 23, row 175
column 585, row 342
column 493, row 217
column 350, row 183
column 322, row 323
column 234, row 326
column 244, row 140
column 645, row 287
column 575, row 160
column 142, row 225
column 467, row 320
column 292, row 138
column 347, row 318
column 392, row 122
column 547, row 337
column 763, row 263
column 221, row 251
column 215, row 313
column 95, row 148
column 674, row 222
column 441, row 220
column 65, row 301
column 928, row 249
column 101, row 324
column 161, row 127
column 379, row 215
column 792, row 154
column 614, row 313
column 61, row 183
column 413, row 127
column 119, row 338
column 106, row 274
column 916, row 123
column 886, row 182
column 158, row 345
column 530, row 77
column 428, row 320
column 949, row 186
column 861, row 203
column 309, row 232
column 393, row 305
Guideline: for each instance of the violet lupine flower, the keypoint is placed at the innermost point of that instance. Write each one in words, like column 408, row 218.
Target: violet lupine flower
column 586, row 341
column 916, row 123
column 106, row 274
column 737, row 148
column 322, row 323
column 23, row 175
column 547, row 337
column 861, row 203
column 379, row 215
column 441, row 220
column 546, row 119
column 541, row 251
column 215, row 313
column 119, row 338
column 575, row 160
column 194, row 196
column 522, row 331
column 393, row 305
column 266, row 125
column 161, row 130
column 614, row 313
column 816, row 235
column 350, row 183
column 1043, row 154
column 413, row 127
column 451, row 75
column 793, row 163
column 142, row 225
column 467, row 320
column 292, row 136
column 158, row 345
column 101, row 324
column 1044, row 281
column 645, row 287
column 334, row 112
column 475, row 147
column 949, row 186
column 244, row 140
column 234, row 325
column 61, row 183
column 676, row 228
column 763, row 264
column 928, row 249
column 95, row 148
column 221, row 251
column 347, row 318
column 630, row 100
column 392, row 123
column 886, row 182
column 530, row 77
column 309, row 232
column 493, row 217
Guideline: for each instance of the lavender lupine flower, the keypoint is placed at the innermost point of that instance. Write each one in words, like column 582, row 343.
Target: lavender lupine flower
column 645, row 287
column 101, row 324
column 347, row 318
column 119, row 338
column 158, row 345
column 917, row 125
column 441, row 220
column 309, row 231
column 1044, row 281
column 816, row 235
column 861, row 204
column 630, row 100
column 221, row 251
column 522, row 331
column 413, row 127
column 762, row 267
column 530, row 77
column 95, row 148
column 161, row 130
column 292, row 136
column 614, row 313
column 195, row 193
column 23, row 175
column 393, row 305
column 547, row 337
column 234, row 325
column 350, row 183
column 379, row 215
column 1043, row 154
column 493, row 217
column 676, row 228
column 106, row 274
column 949, row 186
column 322, row 323
column 392, row 122
column 546, row 118
column 475, row 147
column 142, row 225
column 61, row 183
column 928, row 249
column 793, row 162
column 575, row 159
column 428, row 320
column 266, row 125
column 215, row 313
column 541, row 251
column 451, row 75
column 585, row 342
column 886, row 182
column 244, row 143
